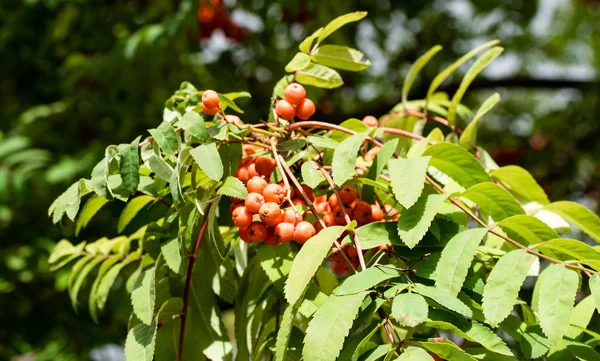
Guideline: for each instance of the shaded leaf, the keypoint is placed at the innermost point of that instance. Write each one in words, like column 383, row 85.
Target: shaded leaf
column 283, row 334
column 193, row 123
column 378, row 233
column 139, row 345
column 91, row 207
column 381, row 159
column 533, row 342
column 414, row 354
column 166, row 138
column 129, row 166
column 447, row 350
column 131, row 210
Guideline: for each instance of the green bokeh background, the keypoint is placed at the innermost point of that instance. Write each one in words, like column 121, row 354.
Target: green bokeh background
column 78, row 75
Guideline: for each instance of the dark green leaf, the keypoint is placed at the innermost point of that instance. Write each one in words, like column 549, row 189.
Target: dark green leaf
column 129, row 166
column 131, row 210
column 91, row 207
column 365, row 280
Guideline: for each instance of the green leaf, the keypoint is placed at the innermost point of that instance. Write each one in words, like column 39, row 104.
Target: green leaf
column 521, row 183
column 104, row 285
column 503, row 284
column 378, row 352
column 322, row 142
column 533, row 343
column 143, row 295
column 64, row 251
column 447, row 350
column 581, row 317
column 308, row 260
column 131, row 210
column 412, row 353
column 457, row 164
column 298, row 62
column 166, row 347
column 340, row 57
column 408, row 179
column 457, row 256
column 208, row 159
column 193, row 123
column 233, row 187
column 363, row 346
column 527, row 229
column 283, row 334
column 329, row 327
column 129, row 166
column 91, row 207
column 468, row 329
column 439, row 79
column 139, row 345
column 338, row 22
column 409, row 309
column 155, row 162
column 204, row 330
column 444, row 299
column 557, row 295
column 594, row 284
column 414, row 71
column 493, row 201
column 415, row 221
column 100, row 179
column 226, row 102
column 166, row 138
column 68, row 202
column 172, row 253
column 319, row 76
column 378, row 233
column 468, row 138
column 86, row 265
column 306, row 44
column 479, row 64
column 311, row 175
column 565, row 249
column 579, row 215
column 344, row 157
column 365, row 280
column 381, row 159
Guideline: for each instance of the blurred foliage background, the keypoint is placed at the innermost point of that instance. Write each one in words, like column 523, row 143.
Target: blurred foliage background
column 77, row 75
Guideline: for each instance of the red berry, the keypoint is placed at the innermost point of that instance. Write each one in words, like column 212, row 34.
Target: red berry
column 362, row 212
column 242, row 174
column 257, row 232
column 241, row 217
column 244, row 235
column 264, row 166
column 305, row 109
column 256, row 185
column 303, row 232
column 351, row 251
column 291, row 216
column 210, row 99
column 376, row 213
column 270, row 214
column 348, row 195
column 254, row 201
column 271, row 240
column 333, row 201
column 294, row 93
column 285, row 110
column 284, row 232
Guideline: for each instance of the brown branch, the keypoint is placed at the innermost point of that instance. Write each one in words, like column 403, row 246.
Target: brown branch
column 188, row 281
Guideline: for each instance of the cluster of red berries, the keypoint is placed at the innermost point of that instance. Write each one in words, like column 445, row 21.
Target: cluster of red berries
column 295, row 103
column 334, row 212
column 210, row 102
column 265, row 214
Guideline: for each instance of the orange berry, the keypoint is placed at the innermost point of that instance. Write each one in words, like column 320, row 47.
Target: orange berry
column 271, row 240
column 376, row 213
column 305, row 109
column 264, row 166
column 291, row 216
column 284, row 232
column 339, row 267
column 253, row 202
column 370, row 121
column 209, row 110
column 210, row 99
column 303, row 232
column 256, row 185
column 274, row 193
column 362, row 212
column 298, row 202
column 242, row 174
column 329, row 219
column 270, row 214
column 294, row 93
column 333, row 201
column 347, row 194
column 241, row 217
column 247, row 150
column 338, row 215
column 285, row 110
column 391, row 211
column 235, row 205
column 252, row 169
column 257, row 232
column 383, row 247
column 309, row 192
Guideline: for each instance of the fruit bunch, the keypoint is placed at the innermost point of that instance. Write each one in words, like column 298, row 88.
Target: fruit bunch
column 294, row 104
column 269, row 212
